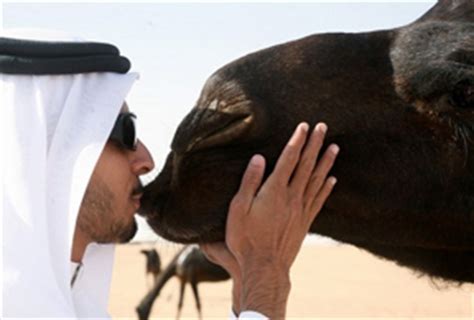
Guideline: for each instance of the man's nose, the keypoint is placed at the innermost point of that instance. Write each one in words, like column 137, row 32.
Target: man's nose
column 142, row 161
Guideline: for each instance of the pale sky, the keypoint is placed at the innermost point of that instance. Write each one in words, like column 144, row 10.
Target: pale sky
column 175, row 47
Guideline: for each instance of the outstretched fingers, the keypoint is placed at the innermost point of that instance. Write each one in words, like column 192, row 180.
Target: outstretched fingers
column 318, row 183
column 308, row 160
column 290, row 156
column 251, row 181
column 320, row 199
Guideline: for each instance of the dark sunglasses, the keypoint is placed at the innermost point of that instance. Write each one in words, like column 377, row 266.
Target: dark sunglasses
column 125, row 131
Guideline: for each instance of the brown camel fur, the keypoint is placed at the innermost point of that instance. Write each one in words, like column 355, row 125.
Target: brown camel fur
column 191, row 266
column 400, row 103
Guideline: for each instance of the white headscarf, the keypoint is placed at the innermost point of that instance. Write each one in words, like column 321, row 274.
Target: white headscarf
column 55, row 128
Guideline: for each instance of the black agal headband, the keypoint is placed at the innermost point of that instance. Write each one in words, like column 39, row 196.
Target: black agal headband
column 46, row 57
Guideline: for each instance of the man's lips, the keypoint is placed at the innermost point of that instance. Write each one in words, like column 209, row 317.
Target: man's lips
column 137, row 200
column 137, row 194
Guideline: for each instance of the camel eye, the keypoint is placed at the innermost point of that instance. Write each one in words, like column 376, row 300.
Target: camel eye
column 463, row 95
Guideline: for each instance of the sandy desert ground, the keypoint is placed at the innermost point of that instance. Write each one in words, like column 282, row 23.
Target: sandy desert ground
column 338, row 281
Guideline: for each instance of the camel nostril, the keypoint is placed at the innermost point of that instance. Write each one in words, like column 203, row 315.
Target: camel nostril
column 224, row 134
column 204, row 128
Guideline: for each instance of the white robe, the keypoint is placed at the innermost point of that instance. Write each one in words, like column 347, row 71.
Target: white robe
column 91, row 287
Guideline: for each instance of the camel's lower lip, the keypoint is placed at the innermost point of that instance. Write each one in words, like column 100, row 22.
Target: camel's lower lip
column 152, row 209
column 159, row 225
column 147, row 213
column 162, row 222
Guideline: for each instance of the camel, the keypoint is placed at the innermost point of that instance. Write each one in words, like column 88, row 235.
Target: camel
column 153, row 263
column 399, row 103
column 191, row 266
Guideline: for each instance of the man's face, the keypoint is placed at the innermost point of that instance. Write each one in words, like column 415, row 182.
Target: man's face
column 113, row 195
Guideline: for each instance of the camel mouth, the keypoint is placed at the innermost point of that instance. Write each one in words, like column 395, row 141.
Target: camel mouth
column 155, row 195
column 150, row 208
column 159, row 211
column 162, row 210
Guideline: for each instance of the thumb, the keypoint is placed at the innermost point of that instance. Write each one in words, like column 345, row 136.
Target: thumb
column 209, row 251
column 218, row 253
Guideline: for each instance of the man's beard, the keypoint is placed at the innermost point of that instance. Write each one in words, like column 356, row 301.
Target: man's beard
column 122, row 233
column 97, row 219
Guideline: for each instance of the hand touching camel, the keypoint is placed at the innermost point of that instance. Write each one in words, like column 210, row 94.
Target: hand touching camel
column 266, row 225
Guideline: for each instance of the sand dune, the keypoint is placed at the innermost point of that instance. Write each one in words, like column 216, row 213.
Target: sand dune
column 327, row 281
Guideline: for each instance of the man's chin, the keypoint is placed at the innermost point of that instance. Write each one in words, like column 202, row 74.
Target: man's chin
column 128, row 234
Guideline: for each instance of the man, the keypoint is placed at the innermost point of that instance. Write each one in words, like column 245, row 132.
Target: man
column 72, row 188
column 60, row 102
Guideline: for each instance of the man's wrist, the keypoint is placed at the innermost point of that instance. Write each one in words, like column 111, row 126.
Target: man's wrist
column 268, row 272
column 265, row 289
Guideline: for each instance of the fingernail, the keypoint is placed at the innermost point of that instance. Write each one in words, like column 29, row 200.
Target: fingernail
column 257, row 160
column 334, row 148
column 332, row 180
column 321, row 127
column 304, row 126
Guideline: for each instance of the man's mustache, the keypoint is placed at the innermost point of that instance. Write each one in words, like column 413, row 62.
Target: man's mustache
column 138, row 189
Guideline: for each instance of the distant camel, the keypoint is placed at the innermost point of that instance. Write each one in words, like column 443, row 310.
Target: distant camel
column 190, row 266
column 399, row 103
column 153, row 263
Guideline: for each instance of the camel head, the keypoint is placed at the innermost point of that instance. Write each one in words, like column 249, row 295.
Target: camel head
column 399, row 102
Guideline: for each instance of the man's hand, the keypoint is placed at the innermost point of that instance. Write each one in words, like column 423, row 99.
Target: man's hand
column 266, row 226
